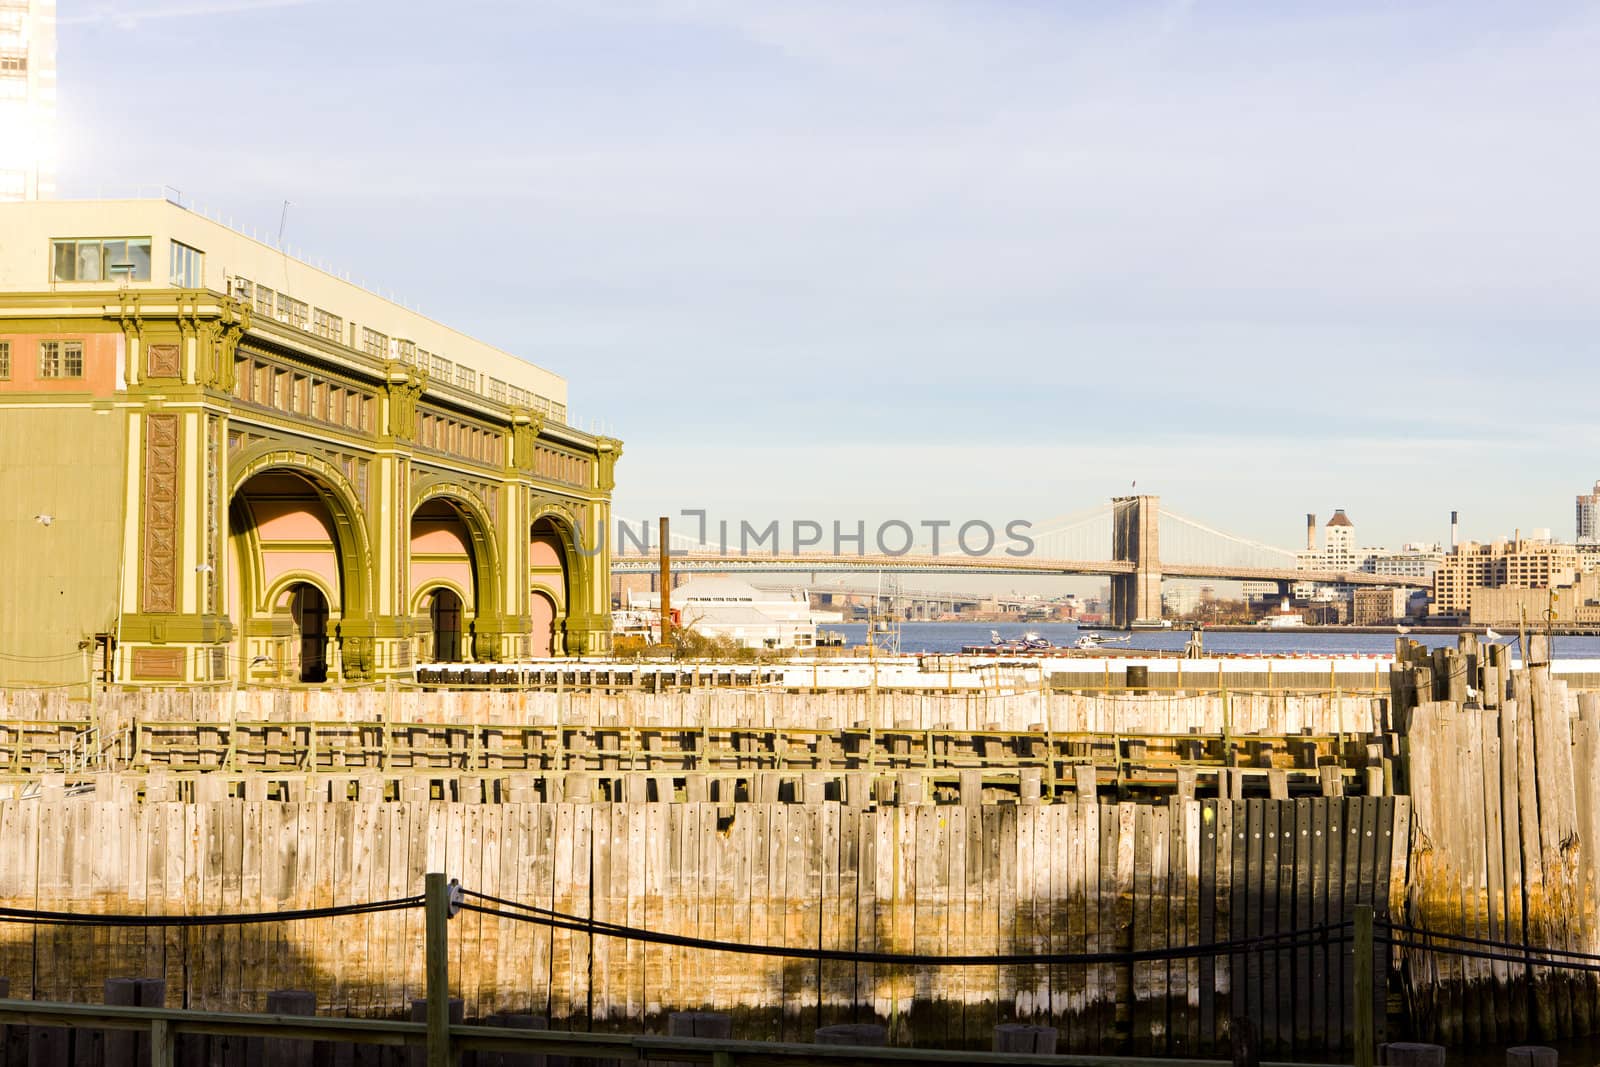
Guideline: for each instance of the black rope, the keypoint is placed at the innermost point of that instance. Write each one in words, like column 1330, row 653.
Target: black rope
column 577, row 924
column 1531, row 958
column 31, row 917
column 1509, row 946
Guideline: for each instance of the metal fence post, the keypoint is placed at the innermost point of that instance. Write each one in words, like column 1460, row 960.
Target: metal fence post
column 437, row 911
column 1364, row 1039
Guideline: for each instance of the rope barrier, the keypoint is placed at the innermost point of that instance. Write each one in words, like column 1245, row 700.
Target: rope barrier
column 1318, row 935
column 32, row 917
column 1529, row 959
column 1429, row 936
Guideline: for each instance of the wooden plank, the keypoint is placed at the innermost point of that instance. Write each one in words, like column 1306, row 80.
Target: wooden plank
column 1512, row 822
column 1231, row 887
column 1471, row 864
column 756, row 906
column 1074, row 903
column 1265, row 864
column 1209, row 894
column 886, row 889
column 1143, row 847
column 1125, row 848
column 871, row 990
column 1317, row 865
column 1097, row 985
column 908, row 872
column 1350, row 824
column 1382, row 872
column 1303, row 920
column 493, row 992
column 990, row 837
column 603, row 979
column 1493, row 835
column 1284, row 958
column 632, row 893
column 1193, row 846
column 841, row 845
column 671, row 892
column 803, row 871
column 853, row 880
column 1058, row 908
column 1031, row 927
column 1158, row 974
column 951, row 982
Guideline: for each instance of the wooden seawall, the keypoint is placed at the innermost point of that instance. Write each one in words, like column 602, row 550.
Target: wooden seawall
column 925, row 879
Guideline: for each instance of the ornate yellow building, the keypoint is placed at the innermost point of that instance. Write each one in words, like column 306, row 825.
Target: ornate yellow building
column 219, row 463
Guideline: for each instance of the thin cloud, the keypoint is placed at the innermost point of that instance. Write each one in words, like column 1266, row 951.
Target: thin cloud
column 129, row 18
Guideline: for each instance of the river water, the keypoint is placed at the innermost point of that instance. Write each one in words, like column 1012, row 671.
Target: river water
column 951, row 636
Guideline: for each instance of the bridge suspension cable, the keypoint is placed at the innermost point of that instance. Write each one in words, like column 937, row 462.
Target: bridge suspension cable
column 1182, row 536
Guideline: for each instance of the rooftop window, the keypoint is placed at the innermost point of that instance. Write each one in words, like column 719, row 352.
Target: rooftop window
column 101, row 259
column 187, row 266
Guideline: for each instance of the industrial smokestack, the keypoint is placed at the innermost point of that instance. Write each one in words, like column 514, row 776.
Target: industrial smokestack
column 1311, row 532
column 1455, row 529
column 666, row 583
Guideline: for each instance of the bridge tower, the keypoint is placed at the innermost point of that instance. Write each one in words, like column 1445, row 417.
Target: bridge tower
column 1135, row 537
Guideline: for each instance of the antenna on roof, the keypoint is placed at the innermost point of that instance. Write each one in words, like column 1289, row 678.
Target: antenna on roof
column 283, row 218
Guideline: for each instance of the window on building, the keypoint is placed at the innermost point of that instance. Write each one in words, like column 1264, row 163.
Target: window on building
column 327, row 324
column 101, row 259
column 61, row 359
column 295, row 312
column 374, row 343
column 13, row 64
column 187, row 266
column 5, row 361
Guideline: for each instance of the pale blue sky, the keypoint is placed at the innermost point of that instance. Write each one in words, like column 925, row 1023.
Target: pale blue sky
column 847, row 259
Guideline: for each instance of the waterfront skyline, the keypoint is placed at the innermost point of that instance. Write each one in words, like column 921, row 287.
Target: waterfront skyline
column 842, row 262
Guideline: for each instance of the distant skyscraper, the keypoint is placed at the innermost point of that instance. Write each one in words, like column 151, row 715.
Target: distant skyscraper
column 1589, row 516
column 27, row 99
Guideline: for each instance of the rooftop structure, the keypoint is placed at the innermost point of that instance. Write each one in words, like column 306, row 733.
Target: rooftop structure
column 140, row 247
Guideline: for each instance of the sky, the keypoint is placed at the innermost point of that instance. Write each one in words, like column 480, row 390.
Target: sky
column 1000, row 259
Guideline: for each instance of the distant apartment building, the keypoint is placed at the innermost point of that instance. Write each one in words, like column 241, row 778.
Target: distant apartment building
column 1568, row 603
column 27, row 99
column 1472, row 568
column 1378, row 607
column 1414, row 560
column 1588, row 532
column 1185, row 598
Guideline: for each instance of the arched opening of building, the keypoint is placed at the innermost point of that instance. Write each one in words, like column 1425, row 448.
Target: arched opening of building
column 444, row 613
column 548, row 573
column 309, row 610
column 444, row 573
column 542, row 631
column 285, row 583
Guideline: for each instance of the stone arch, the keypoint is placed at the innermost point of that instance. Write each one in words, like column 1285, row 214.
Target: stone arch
column 545, row 616
column 284, row 581
column 560, row 520
column 421, row 594
column 486, row 566
column 352, row 540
